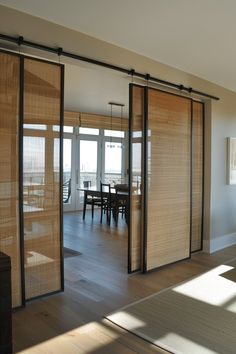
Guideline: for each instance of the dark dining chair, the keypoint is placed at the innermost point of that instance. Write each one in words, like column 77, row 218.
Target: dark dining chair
column 120, row 204
column 66, row 191
column 90, row 199
column 106, row 200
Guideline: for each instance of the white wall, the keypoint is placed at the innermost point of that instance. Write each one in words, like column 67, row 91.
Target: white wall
column 220, row 199
column 223, row 203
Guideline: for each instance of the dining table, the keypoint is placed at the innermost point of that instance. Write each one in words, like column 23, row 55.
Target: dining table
column 96, row 192
column 117, row 192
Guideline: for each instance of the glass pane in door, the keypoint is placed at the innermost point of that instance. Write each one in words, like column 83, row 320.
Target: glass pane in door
column 67, row 170
column 41, row 182
column 34, row 177
column 113, row 163
column 135, row 253
column 9, row 173
column 88, row 164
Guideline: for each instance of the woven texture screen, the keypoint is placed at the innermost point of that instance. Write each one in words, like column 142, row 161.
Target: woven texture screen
column 169, row 173
column 88, row 120
column 136, row 175
column 9, row 173
column 41, row 177
column 197, row 176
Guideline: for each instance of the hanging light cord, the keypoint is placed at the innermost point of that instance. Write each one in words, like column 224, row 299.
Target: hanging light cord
column 111, row 126
column 121, row 125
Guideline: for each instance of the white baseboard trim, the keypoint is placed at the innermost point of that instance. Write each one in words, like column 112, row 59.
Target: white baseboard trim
column 219, row 243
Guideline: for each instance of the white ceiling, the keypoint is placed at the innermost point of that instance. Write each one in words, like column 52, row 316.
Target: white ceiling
column 88, row 89
column 197, row 36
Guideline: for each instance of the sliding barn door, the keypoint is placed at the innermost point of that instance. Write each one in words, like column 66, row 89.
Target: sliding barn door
column 197, row 175
column 135, row 259
column 31, row 122
column 42, row 177
column 9, row 168
column 168, row 179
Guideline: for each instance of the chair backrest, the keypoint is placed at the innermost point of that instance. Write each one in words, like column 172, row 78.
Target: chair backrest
column 105, row 189
column 87, row 184
column 122, row 188
column 122, row 196
column 66, row 191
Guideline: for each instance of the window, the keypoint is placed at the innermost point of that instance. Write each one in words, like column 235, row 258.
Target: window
column 114, row 133
column 89, row 131
column 113, row 162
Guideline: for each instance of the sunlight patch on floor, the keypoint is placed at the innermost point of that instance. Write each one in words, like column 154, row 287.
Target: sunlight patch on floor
column 132, row 321
column 183, row 343
column 82, row 340
column 210, row 287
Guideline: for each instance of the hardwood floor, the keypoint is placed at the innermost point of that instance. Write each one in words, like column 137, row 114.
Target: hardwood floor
column 96, row 284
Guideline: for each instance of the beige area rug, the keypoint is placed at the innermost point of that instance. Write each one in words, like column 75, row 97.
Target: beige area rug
column 194, row 317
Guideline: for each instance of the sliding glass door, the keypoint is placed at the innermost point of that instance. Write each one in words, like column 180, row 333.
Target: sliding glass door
column 69, row 172
column 9, row 167
column 88, row 163
column 31, row 118
column 42, row 177
column 92, row 155
column 114, row 153
column 88, row 167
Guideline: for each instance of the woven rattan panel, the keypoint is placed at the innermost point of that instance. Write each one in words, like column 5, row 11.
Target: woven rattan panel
column 41, row 182
column 136, row 174
column 169, row 172
column 88, row 120
column 9, row 172
column 197, row 185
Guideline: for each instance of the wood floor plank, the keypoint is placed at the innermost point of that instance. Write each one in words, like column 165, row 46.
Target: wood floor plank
column 96, row 284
